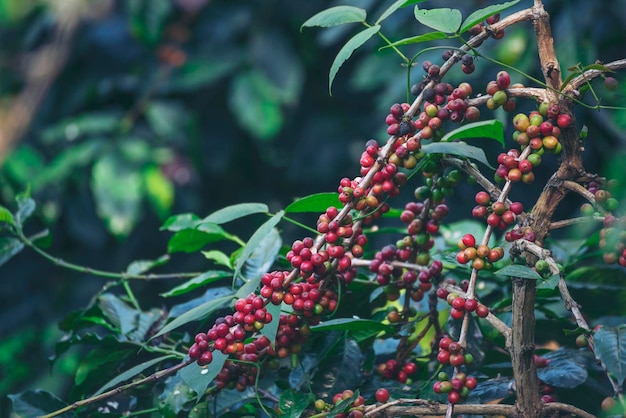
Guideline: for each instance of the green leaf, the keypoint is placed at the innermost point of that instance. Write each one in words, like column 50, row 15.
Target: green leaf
column 218, row 257
column 148, row 18
column 347, row 50
column 550, row 283
column 255, row 240
column 102, row 358
column 6, row 215
column 492, row 129
column 270, row 329
column 230, row 213
column 390, row 10
column 178, row 222
column 263, row 116
column 482, row 14
column 200, row 72
column 25, row 208
column 85, row 124
column 352, row 324
column 68, row 162
column 431, row 36
column 198, row 378
column 293, row 403
column 117, row 189
column 159, row 190
column 35, row 403
column 335, row 16
column 263, row 256
column 457, row 148
column 132, row 372
column 517, row 270
column 204, row 279
column 318, row 202
column 610, row 348
column 8, row 248
column 166, row 118
column 119, row 313
column 191, row 240
column 195, row 314
column 443, row 20
column 141, row 266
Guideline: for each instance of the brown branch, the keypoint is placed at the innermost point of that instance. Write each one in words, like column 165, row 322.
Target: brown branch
column 574, row 221
column 588, row 75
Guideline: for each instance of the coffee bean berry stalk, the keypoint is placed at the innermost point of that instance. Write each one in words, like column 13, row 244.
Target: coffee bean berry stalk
column 431, row 296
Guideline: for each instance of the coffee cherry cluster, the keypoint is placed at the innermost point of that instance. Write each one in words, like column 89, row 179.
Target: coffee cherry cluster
column 497, row 89
column 460, row 305
column 613, row 240
column 292, row 333
column 497, row 214
column 518, row 233
column 457, row 388
column 397, row 122
column 515, row 169
column 353, row 410
column 445, row 102
column 540, row 130
column 393, row 370
column 481, row 256
column 602, row 196
column 451, row 352
column 308, row 300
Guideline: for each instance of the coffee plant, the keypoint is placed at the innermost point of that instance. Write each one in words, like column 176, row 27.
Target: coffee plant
column 390, row 303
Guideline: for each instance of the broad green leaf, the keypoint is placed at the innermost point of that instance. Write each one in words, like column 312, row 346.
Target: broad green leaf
column 263, row 115
column 96, row 361
column 198, row 378
column 293, row 403
column 351, row 324
column 492, row 129
column 195, row 314
column 334, row 16
column 196, row 282
column 141, row 266
column 218, row 257
column 270, row 329
column 610, row 348
column 191, row 240
column 518, row 270
column 431, row 36
column 347, row 50
column 159, row 190
column 35, row 403
column 390, row 10
column 85, row 124
column 263, row 256
column 200, row 72
column 178, row 222
column 482, row 14
column 119, row 313
column 255, row 240
column 8, row 248
column 117, row 188
column 457, row 148
column 176, row 396
column 6, row 216
column 318, row 203
column 550, row 283
column 230, row 213
column 132, row 372
column 25, row 208
column 443, row 20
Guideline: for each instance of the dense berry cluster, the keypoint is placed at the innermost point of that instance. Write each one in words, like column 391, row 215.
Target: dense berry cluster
column 541, row 129
column 497, row 214
column 481, row 256
column 354, row 408
column 457, row 388
column 512, row 167
column 497, row 89
column 613, row 240
column 392, row 369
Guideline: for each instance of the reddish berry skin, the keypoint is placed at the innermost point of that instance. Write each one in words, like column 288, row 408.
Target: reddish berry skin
column 454, row 397
column 482, row 198
column 564, row 120
column 470, row 305
column 382, row 395
column 470, row 383
column 482, row 311
column 469, row 240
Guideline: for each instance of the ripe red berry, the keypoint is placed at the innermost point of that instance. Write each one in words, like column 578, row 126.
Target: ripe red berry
column 382, row 395
column 482, row 198
column 469, row 240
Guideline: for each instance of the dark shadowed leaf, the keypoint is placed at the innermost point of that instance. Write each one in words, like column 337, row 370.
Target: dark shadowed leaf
column 204, row 279
column 99, row 363
column 202, row 71
column 610, row 346
column 85, row 124
column 119, row 313
column 443, row 20
column 270, row 329
column 337, row 15
column 563, row 373
column 492, row 129
column 195, row 314
column 210, row 294
column 175, row 396
column 255, row 241
column 491, row 390
column 198, row 378
column 482, row 14
column 132, row 372
column 34, row 403
column 230, row 213
column 346, row 51
column 517, row 270
column 318, row 202
column 8, row 248
column 292, row 403
column 351, row 324
column 339, row 367
column 457, row 148
column 148, row 18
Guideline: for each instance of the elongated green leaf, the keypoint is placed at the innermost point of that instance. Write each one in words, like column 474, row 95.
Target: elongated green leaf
column 177, row 222
column 610, row 348
column 6, row 216
column 218, row 257
column 141, row 266
column 195, row 314
column 263, row 255
column 334, row 16
column 351, row 324
column 25, row 208
column 123, row 316
column 318, row 202
column 230, row 213
column 191, row 240
column 198, row 281
column 255, row 240
column 492, row 129
column 517, row 270
column 270, row 329
column 457, row 148
column 431, row 36
column 35, row 403
column 443, row 20
column 198, row 378
column 8, row 248
column 98, row 360
column 132, row 372
column 390, row 10
column 482, row 14
column 347, row 50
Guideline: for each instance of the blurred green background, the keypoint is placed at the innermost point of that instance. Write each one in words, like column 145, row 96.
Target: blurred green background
column 118, row 113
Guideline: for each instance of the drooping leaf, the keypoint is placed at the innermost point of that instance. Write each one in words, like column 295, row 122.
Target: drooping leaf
column 431, row 36
column 119, row 313
column 204, row 279
column 197, row 313
column 230, row 213
column 198, row 378
column 346, row 51
column 518, row 270
column 218, row 257
column 263, row 256
column 457, row 148
column 255, row 240
column 610, row 348
column 318, row 202
column 25, row 208
column 34, row 403
column 492, row 129
column 178, row 222
column 98, row 360
column 132, row 372
column 159, row 190
column 352, row 324
column 6, row 216
column 141, row 266
column 390, row 10
column 334, row 16
column 270, row 329
column 482, row 14
column 443, row 19
column 8, row 248
column 292, row 403
column 339, row 367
